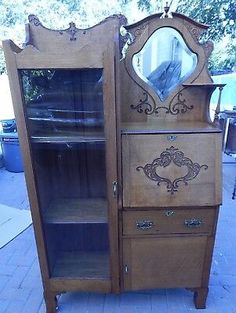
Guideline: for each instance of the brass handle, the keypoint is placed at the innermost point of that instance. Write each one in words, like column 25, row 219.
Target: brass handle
column 169, row 213
column 114, row 188
column 171, row 137
column 193, row 222
column 144, row 225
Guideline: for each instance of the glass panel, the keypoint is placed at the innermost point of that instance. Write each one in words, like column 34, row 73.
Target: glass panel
column 64, row 110
column 165, row 61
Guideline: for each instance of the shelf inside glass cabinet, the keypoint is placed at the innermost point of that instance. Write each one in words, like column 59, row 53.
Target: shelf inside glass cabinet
column 68, row 137
column 75, row 210
column 83, row 265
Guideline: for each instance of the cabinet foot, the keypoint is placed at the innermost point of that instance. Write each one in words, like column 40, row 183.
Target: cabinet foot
column 50, row 301
column 200, row 296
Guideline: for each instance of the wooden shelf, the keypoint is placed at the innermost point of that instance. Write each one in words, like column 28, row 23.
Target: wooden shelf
column 163, row 126
column 74, row 211
column 82, row 265
column 203, row 85
column 69, row 137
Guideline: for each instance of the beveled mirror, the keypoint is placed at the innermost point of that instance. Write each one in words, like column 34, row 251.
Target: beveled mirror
column 164, row 61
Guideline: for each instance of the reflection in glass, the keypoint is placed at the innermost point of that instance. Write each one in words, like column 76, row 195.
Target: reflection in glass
column 165, row 61
column 63, row 102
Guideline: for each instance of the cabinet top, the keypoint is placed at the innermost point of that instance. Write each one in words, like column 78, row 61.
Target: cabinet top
column 168, row 127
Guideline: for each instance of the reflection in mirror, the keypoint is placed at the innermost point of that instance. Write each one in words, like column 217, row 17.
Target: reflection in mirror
column 165, row 61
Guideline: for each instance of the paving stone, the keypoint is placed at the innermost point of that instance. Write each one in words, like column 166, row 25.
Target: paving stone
column 16, row 279
column 34, row 301
column 15, row 306
column 111, row 304
column 3, row 305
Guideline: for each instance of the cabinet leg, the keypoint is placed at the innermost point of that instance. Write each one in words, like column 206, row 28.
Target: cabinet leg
column 200, row 296
column 50, row 301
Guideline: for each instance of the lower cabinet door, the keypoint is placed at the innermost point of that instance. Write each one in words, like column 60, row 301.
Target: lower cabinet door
column 163, row 262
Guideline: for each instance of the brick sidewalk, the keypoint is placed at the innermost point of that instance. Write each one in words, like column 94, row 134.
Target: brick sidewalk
column 21, row 287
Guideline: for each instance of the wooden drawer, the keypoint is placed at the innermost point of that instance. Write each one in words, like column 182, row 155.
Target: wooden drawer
column 173, row 221
column 171, row 170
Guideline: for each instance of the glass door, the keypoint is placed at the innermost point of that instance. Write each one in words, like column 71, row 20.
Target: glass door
column 65, row 118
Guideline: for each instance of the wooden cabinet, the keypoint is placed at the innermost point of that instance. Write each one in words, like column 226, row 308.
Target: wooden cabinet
column 63, row 88
column 123, row 165
column 170, row 156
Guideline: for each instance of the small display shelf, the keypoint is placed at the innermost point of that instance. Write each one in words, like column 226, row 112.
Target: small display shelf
column 73, row 211
column 204, row 85
column 82, row 265
column 163, row 126
column 68, row 137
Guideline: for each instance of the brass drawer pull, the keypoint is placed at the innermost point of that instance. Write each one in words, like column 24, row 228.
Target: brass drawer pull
column 114, row 188
column 169, row 213
column 144, row 225
column 171, row 137
column 193, row 222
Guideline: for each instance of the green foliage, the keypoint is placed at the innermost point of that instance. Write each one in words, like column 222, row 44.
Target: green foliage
column 220, row 15
column 2, row 62
column 144, row 4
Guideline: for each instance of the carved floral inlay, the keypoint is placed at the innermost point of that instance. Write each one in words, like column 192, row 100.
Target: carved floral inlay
column 174, row 108
column 166, row 158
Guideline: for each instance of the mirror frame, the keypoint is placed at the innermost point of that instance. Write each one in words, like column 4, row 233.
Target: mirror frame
column 137, row 36
column 163, row 64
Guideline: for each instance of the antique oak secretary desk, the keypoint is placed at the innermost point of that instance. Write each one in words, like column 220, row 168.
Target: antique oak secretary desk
column 122, row 162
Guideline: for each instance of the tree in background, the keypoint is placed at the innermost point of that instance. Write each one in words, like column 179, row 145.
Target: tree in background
column 219, row 14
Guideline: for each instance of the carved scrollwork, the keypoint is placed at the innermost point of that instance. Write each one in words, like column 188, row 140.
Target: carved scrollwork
column 34, row 19
column 137, row 32
column 180, row 106
column 144, row 105
column 195, row 31
column 72, row 30
column 177, row 157
column 174, row 108
column 208, row 48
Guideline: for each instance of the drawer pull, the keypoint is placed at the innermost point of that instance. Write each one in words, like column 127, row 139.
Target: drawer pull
column 193, row 222
column 171, row 137
column 144, row 225
column 114, row 188
column 169, row 213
